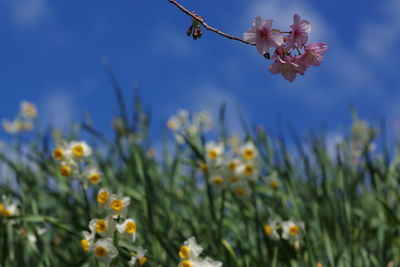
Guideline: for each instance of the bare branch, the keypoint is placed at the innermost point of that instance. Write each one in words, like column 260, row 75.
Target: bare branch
column 205, row 25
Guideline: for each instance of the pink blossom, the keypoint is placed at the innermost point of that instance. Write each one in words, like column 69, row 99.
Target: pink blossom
column 299, row 33
column 314, row 54
column 287, row 67
column 262, row 35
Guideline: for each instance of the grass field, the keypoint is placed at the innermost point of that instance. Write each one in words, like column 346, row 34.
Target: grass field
column 249, row 200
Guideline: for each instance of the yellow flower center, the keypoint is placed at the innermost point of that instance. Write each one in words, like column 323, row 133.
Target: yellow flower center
column 7, row 213
column 58, row 153
column 248, row 154
column 1, row 208
column 232, row 165
column 273, row 184
column 234, row 179
column 130, row 227
column 117, row 205
column 30, row 111
column 267, row 230
column 184, row 252
column 294, row 230
column 240, row 191
column 101, row 226
column 217, row 180
column 102, row 197
column 78, row 150
column 101, row 251
column 85, row 245
column 212, row 153
column 203, row 167
column 142, row 261
column 65, row 170
column 186, row 263
column 94, row 178
column 249, row 169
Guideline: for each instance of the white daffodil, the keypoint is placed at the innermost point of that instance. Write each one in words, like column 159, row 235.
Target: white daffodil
column 218, row 180
column 183, row 115
column 13, row 127
column 69, row 168
column 272, row 181
column 140, row 255
column 190, row 249
column 241, row 189
column 87, row 241
column 204, row 120
column 28, row 110
column 292, row 230
column 207, row 262
column 62, row 152
column 8, row 207
column 127, row 229
column 103, row 199
column 248, row 151
column 92, row 175
column 214, row 153
column 104, row 227
column 247, row 170
column 80, row 150
column 104, row 250
column 271, row 230
column 119, row 205
column 191, row 263
column 174, row 123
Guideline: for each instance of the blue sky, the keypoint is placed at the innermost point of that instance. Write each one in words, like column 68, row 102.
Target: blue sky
column 51, row 54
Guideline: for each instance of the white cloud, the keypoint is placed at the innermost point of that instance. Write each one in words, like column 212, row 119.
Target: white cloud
column 28, row 13
column 57, row 109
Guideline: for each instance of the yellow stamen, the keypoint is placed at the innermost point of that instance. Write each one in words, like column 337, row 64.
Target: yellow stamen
column 58, row 153
column 142, row 261
column 212, row 153
column 234, row 179
column 249, row 169
column 232, row 165
column 7, row 213
column 65, row 170
column 102, row 197
column 101, row 251
column 184, row 252
column 78, row 150
column 117, row 205
column 130, row 227
column 267, row 230
column 101, row 226
column 218, row 180
column 94, row 178
column 240, row 191
column 85, row 245
column 248, row 154
column 294, row 230
column 186, row 263
column 273, row 184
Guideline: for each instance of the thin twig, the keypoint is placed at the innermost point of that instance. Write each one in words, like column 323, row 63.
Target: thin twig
column 205, row 25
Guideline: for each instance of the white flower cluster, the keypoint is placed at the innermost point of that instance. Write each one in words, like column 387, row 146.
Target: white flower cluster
column 103, row 229
column 72, row 156
column 8, row 207
column 233, row 169
column 183, row 125
column 23, row 122
column 289, row 230
column 190, row 252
